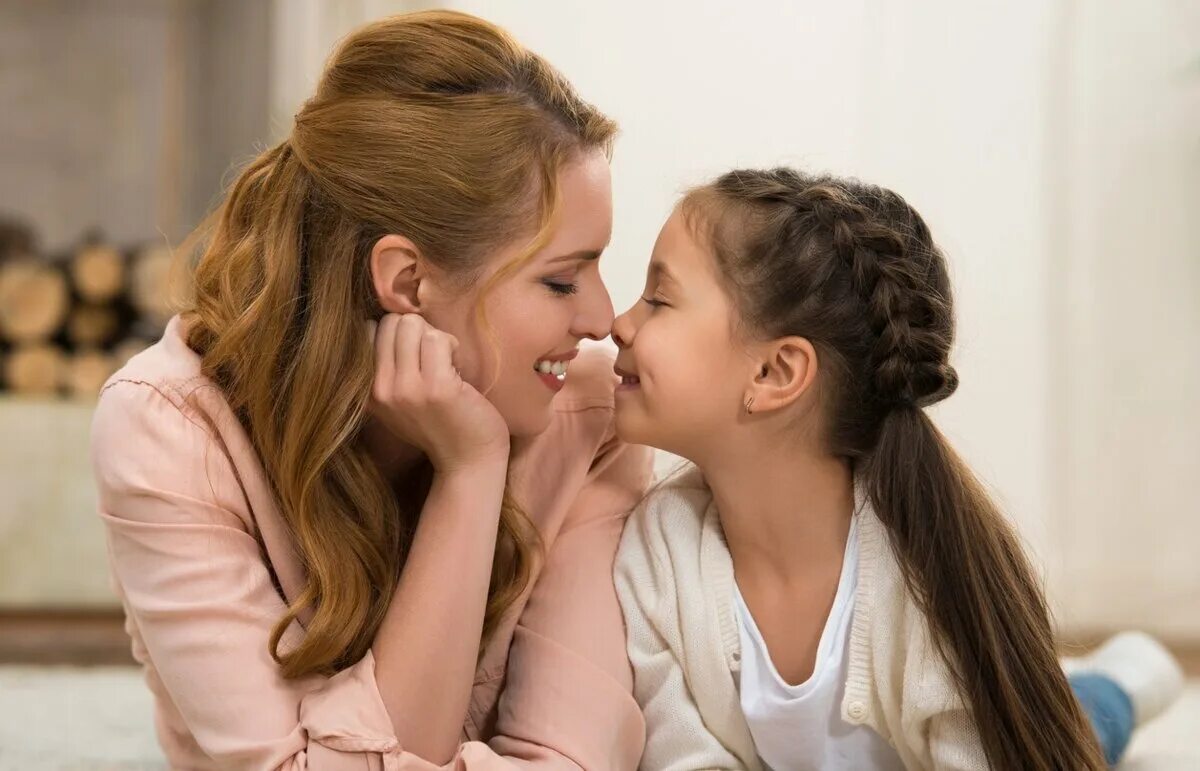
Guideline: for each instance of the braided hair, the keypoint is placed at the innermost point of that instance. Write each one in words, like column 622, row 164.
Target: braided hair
column 854, row 269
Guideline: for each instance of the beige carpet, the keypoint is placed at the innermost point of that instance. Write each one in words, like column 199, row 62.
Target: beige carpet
column 99, row 719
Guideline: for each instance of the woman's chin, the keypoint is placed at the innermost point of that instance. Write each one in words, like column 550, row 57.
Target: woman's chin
column 530, row 423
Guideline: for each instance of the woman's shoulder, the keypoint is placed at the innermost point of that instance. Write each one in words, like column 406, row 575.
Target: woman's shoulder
column 580, row 446
column 159, row 421
column 167, row 372
column 166, row 448
column 590, row 382
column 582, row 426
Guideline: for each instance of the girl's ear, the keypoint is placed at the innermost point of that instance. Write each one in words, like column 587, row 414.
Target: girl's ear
column 784, row 370
column 397, row 270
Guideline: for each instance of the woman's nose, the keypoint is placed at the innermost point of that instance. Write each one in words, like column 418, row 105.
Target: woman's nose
column 595, row 317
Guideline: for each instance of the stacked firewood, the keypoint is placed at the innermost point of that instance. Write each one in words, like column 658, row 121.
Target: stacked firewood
column 68, row 321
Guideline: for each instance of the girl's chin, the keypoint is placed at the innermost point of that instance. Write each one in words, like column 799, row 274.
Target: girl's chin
column 631, row 428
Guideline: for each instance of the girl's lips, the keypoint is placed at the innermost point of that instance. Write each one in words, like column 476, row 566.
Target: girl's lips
column 629, row 380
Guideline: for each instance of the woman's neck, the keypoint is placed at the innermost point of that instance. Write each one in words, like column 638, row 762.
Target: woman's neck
column 785, row 510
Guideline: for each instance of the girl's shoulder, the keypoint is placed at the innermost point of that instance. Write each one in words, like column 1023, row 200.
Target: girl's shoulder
column 893, row 647
column 679, row 500
column 670, row 518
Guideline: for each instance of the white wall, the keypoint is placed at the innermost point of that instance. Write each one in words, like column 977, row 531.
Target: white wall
column 945, row 102
column 1048, row 145
column 1128, row 280
column 82, row 118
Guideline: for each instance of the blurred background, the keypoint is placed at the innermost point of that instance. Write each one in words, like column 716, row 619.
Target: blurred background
column 1052, row 145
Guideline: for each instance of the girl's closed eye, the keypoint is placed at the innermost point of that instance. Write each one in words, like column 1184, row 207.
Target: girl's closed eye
column 654, row 302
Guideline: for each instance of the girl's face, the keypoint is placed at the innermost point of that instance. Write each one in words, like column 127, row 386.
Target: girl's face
column 683, row 373
column 538, row 314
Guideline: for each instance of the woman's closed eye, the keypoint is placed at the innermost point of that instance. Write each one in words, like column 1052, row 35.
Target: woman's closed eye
column 561, row 288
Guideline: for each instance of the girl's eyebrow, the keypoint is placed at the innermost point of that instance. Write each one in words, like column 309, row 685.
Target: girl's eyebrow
column 660, row 271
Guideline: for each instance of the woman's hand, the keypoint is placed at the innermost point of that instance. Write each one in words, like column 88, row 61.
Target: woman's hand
column 421, row 398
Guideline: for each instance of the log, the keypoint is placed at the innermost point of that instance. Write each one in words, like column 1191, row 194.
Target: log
column 151, row 288
column 90, row 326
column 16, row 241
column 34, row 370
column 98, row 273
column 33, row 301
column 86, row 373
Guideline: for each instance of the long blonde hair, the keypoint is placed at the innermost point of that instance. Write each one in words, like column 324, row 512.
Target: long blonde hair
column 438, row 126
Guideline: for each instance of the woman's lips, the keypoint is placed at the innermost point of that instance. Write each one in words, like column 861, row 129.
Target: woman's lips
column 554, row 380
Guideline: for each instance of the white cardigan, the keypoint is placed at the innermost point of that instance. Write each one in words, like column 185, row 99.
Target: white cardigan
column 674, row 579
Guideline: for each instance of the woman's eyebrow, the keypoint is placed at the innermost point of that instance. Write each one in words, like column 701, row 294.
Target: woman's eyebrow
column 582, row 254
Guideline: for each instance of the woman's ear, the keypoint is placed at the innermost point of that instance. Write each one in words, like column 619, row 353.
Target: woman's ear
column 397, row 270
column 784, row 370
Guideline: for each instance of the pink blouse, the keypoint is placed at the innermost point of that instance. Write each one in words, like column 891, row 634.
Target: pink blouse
column 186, row 506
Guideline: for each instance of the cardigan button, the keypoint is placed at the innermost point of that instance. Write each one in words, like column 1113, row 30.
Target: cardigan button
column 857, row 711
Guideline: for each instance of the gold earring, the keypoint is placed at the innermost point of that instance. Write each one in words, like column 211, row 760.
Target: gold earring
column 749, row 404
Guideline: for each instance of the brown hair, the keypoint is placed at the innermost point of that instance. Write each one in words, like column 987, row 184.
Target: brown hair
column 853, row 268
column 438, row 126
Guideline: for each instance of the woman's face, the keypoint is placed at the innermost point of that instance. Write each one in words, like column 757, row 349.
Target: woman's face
column 538, row 314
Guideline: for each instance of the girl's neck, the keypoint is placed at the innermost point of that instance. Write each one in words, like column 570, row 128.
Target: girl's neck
column 785, row 510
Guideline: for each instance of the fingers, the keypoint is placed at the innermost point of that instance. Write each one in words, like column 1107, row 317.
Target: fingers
column 385, row 354
column 437, row 362
column 409, row 333
column 413, row 358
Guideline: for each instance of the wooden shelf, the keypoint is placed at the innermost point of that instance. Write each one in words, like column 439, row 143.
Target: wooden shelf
column 79, row 637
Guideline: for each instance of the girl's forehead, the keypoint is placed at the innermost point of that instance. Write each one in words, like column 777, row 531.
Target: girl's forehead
column 681, row 255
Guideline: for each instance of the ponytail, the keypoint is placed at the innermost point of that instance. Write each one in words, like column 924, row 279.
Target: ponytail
column 964, row 565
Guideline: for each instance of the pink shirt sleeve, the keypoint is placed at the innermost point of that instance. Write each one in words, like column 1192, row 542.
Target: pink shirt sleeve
column 568, row 698
column 198, row 591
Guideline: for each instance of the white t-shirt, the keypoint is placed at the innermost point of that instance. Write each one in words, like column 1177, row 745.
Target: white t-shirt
column 800, row 727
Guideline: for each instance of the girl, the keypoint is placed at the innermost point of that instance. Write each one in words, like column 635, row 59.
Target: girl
column 829, row 587
column 354, row 545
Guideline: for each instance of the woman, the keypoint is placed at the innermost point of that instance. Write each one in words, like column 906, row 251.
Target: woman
column 362, row 499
